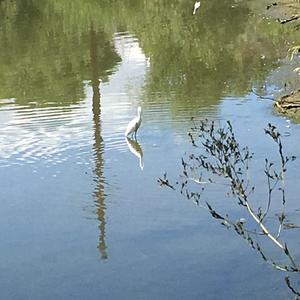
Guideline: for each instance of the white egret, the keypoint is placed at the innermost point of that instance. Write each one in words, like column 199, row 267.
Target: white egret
column 196, row 6
column 134, row 124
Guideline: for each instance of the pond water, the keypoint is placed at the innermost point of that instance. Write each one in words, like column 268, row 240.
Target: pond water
column 82, row 215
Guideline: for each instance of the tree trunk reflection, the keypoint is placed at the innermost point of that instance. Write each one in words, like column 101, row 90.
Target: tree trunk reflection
column 98, row 144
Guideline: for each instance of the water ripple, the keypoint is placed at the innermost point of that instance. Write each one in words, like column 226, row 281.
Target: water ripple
column 30, row 134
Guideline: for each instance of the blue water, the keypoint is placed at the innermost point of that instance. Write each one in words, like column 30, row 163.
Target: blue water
column 81, row 219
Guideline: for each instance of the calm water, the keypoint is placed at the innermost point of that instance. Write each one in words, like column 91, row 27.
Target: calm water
column 82, row 215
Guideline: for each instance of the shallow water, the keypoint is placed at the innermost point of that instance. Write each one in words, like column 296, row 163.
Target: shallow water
column 82, row 215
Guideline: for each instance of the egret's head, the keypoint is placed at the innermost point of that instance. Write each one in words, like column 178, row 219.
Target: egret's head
column 139, row 110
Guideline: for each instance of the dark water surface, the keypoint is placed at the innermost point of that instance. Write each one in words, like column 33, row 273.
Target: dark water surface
column 82, row 215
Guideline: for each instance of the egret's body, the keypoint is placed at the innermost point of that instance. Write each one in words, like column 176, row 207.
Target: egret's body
column 134, row 124
column 196, row 6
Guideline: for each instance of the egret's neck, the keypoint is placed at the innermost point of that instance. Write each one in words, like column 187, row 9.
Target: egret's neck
column 139, row 114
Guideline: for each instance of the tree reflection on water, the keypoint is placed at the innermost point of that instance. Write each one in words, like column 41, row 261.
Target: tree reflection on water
column 98, row 142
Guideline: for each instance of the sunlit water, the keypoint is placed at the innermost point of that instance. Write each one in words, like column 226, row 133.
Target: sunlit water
column 83, row 217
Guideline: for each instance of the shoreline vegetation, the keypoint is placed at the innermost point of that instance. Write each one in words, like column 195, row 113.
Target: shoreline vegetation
column 288, row 12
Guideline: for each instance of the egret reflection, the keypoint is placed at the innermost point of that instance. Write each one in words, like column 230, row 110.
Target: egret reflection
column 136, row 149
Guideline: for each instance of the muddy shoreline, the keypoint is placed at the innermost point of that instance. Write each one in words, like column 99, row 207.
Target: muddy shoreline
column 287, row 12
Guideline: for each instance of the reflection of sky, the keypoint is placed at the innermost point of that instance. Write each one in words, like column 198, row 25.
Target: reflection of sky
column 249, row 116
column 30, row 133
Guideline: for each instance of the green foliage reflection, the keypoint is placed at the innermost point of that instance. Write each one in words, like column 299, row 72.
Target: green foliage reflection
column 195, row 60
column 43, row 59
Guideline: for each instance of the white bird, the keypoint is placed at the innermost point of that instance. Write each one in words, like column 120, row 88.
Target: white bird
column 196, row 6
column 134, row 124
